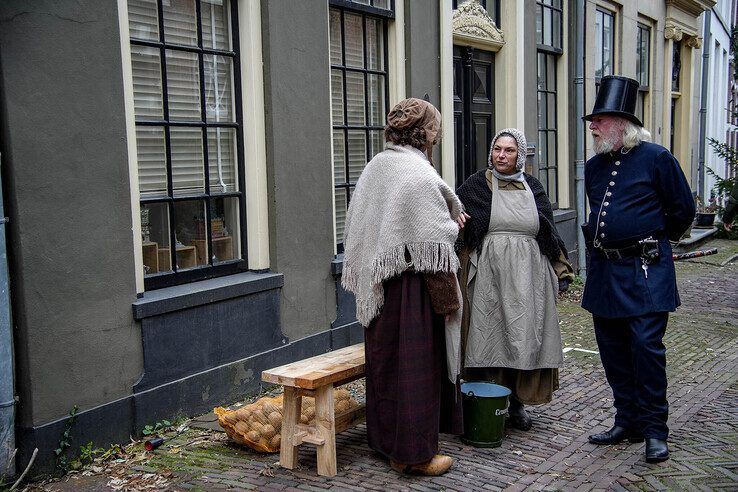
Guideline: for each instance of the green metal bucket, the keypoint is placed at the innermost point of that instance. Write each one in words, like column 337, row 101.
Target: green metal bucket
column 485, row 407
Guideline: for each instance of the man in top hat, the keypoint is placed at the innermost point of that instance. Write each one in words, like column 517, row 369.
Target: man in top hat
column 639, row 199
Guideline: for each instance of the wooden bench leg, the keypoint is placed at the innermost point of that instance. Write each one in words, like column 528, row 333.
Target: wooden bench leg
column 325, row 424
column 292, row 405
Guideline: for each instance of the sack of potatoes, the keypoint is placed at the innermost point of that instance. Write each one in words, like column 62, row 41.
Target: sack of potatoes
column 259, row 424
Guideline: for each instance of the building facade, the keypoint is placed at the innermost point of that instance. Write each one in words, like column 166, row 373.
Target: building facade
column 718, row 95
column 177, row 172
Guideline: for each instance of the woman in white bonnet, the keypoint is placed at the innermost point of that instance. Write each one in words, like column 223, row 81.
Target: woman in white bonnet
column 513, row 262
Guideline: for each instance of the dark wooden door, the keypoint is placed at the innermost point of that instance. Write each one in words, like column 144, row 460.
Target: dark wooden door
column 473, row 109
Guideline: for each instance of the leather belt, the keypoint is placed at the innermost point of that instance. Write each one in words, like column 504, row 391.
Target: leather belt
column 621, row 253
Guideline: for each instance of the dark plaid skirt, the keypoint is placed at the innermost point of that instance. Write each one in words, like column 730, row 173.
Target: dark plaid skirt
column 406, row 375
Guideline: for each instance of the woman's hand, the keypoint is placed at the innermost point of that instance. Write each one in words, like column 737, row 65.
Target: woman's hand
column 461, row 219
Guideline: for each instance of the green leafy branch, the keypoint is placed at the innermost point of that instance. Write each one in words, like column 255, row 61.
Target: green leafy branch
column 62, row 462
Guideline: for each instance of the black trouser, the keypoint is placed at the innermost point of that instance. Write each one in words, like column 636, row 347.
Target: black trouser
column 634, row 358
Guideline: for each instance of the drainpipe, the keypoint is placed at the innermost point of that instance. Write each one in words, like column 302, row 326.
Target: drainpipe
column 579, row 147
column 7, row 400
column 706, row 49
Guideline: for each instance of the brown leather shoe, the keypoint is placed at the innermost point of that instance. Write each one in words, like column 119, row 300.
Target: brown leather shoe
column 438, row 465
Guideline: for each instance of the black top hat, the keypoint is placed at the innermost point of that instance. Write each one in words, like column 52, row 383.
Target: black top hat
column 617, row 96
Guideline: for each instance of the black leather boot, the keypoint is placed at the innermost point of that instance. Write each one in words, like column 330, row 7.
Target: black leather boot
column 615, row 435
column 519, row 418
column 656, row 450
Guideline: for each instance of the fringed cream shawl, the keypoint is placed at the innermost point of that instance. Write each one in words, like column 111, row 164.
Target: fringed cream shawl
column 400, row 203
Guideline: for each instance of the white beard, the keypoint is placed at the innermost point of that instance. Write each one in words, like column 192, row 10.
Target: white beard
column 603, row 145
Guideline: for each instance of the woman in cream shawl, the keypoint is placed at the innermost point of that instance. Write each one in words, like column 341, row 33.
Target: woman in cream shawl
column 399, row 262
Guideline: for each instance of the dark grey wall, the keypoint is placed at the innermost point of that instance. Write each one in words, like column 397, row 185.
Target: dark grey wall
column 68, row 197
column 422, row 50
column 299, row 169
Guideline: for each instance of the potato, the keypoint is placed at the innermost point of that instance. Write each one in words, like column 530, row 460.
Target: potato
column 342, row 394
column 253, row 436
column 241, row 427
column 275, row 419
column 342, row 406
column 268, row 407
column 268, row 431
column 275, row 442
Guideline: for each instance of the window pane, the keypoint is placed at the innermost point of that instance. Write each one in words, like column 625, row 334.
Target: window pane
column 556, row 33
column 189, row 217
column 598, row 44
column 539, row 24
column 357, row 154
column 183, row 85
column 552, row 187
column 547, row 28
column 354, row 33
column 542, row 110
column 335, row 35
column 607, row 46
column 551, row 119
column 382, row 4
column 155, row 236
column 541, row 71
column 180, row 22
column 337, row 96
column 187, row 161
column 147, row 88
column 375, row 43
column 355, row 98
column 543, row 178
column 152, row 167
column 341, row 208
column 339, row 157
column 222, row 159
column 219, row 95
column 552, row 151
column 542, row 149
column 376, row 100
column 550, row 72
column 640, row 105
column 224, row 227
column 143, row 20
column 376, row 142
column 216, row 22
column 645, row 46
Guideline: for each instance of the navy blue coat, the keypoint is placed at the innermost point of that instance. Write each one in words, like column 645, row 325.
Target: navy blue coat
column 631, row 196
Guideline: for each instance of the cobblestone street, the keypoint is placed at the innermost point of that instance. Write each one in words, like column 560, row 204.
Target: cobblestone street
column 702, row 352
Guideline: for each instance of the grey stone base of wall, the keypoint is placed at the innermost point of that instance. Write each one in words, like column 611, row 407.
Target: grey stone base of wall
column 116, row 421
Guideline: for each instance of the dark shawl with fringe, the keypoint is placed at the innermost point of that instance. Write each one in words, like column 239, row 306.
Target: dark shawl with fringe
column 476, row 196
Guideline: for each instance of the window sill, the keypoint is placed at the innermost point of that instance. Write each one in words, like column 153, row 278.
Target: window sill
column 337, row 265
column 194, row 294
column 562, row 214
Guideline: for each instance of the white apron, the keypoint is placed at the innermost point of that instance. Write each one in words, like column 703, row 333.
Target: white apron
column 512, row 287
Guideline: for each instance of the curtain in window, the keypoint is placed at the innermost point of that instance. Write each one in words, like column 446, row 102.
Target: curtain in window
column 183, row 87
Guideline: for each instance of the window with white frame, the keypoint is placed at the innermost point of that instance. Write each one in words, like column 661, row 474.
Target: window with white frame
column 184, row 56
column 359, row 93
column 643, row 64
column 604, row 43
column 549, row 33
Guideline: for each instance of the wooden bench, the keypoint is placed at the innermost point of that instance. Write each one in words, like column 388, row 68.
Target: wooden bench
column 317, row 377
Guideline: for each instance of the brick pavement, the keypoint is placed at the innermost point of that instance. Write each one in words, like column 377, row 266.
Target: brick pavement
column 702, row 353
